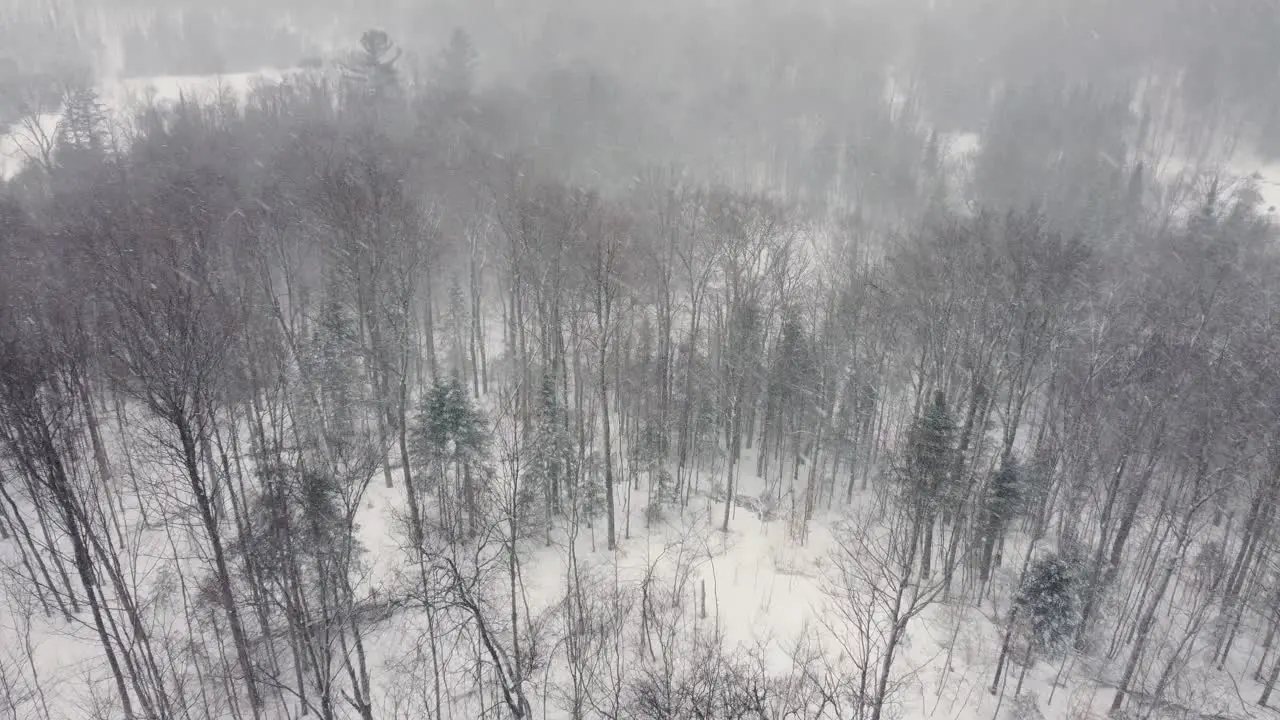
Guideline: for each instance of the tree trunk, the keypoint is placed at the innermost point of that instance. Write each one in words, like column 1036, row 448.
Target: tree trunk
column 60, row 486
column 1270, row 685
column 1004, row 650
column 23, row 532
column 735, row 449
column 686, row 410
column 429, row 325
column 410, row 491
column 608, row 447
column 926, row 547
column 1144, row 631
column 896, row 633
column 223, row 574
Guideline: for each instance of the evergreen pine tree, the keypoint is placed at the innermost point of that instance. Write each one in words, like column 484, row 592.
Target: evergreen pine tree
column 590, row 492
column 81, row 133
column 458, row 330
column 455, row 71
column 648, row 453
column 449, row 103
column 371, row 73
column 790, row 395
column 1049, row 602
column 932, row 155
column 793, row 373
column 551, row 447
column 451, row 436
column 1045, row 614
column 320, row 506
column 930, row 454
column 335, row 353
column 1003, row 498
column 1037, row 479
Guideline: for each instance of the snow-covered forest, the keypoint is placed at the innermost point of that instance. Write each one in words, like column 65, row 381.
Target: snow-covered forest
column 562, row 360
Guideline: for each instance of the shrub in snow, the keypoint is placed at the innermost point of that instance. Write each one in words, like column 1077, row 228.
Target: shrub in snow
column 1025, row 707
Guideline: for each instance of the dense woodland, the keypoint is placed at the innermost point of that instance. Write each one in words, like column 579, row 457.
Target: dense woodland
column 764, row 73
column 1038, row 382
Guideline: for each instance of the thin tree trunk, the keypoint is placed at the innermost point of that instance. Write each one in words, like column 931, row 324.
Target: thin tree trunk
column 429, row 322
column 60, row 486
column 1270, row 685
column 223, row 574
column 896, row 633
column 1004, row 650
column 608, row 448
column 24, row 534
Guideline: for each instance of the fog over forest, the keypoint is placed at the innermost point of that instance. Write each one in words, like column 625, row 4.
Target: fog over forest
column 674, row 360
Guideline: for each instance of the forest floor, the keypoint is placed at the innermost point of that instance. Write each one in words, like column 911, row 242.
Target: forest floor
column 764, row 591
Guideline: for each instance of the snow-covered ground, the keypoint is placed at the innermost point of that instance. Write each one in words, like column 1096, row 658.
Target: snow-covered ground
column 764, row 592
